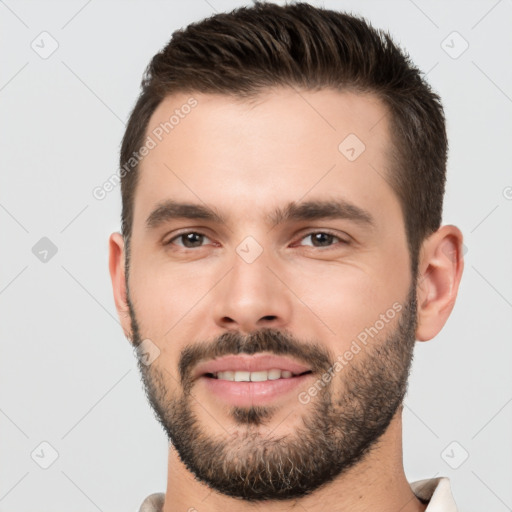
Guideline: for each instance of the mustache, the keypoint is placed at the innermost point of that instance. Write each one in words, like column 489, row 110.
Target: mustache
column 268, row 340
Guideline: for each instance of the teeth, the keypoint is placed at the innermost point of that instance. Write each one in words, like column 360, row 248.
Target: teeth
column 274, row 374
column 259, row 376
column 243, row 376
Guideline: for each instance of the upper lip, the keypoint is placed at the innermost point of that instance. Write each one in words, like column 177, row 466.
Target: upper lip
column 249, row 363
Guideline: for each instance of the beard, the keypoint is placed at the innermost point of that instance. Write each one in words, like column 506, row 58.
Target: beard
column 338, row 428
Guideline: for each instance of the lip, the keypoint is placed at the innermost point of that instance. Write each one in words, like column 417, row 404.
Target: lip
column 249, row 363
column 252, row 393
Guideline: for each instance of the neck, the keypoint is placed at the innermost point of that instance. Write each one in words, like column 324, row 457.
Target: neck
column 377, row 483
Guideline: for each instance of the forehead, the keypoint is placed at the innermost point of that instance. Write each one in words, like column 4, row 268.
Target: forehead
column 279, row 146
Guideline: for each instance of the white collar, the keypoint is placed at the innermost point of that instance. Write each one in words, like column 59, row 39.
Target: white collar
column 438, row 491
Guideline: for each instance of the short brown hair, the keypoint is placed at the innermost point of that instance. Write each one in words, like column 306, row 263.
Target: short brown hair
column 252, row 49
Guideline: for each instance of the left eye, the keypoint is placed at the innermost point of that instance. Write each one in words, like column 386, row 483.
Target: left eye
column 322, row 238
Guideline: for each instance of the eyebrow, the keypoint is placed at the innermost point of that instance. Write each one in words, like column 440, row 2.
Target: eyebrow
column 304, row 211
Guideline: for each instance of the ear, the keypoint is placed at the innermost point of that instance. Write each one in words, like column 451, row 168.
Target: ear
column 440, row 270
column 117, row 275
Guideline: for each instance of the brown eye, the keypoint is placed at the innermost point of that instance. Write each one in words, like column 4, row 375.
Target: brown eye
column 189, row 240
column 322, row 239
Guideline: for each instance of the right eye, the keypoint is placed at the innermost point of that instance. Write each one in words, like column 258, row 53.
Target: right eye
column 189, row 239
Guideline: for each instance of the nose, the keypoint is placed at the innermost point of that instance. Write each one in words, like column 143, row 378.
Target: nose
column 252, row 295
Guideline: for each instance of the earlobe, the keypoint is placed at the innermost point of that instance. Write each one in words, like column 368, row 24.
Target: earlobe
column 117, row 275
column 440, row 271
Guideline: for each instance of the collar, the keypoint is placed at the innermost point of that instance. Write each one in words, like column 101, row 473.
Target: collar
column 437, row 492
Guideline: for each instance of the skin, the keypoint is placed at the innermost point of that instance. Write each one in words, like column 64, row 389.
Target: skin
column 245, row 159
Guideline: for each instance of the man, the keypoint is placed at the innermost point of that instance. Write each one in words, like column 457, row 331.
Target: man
column 283, row 175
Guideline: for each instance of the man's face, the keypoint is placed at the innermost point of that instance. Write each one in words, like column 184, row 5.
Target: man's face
column 318, row 289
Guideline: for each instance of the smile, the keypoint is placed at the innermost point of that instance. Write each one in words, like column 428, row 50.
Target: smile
column 259, row 376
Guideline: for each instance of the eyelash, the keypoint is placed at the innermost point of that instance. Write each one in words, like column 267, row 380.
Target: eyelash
column 344, row 242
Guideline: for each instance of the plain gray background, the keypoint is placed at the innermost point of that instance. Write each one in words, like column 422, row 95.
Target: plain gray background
column 69, row 377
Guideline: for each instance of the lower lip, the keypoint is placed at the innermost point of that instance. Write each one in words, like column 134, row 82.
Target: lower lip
column 253, row 393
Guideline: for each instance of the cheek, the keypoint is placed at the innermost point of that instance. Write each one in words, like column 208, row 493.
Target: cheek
column 165, row 296
column 345, row 300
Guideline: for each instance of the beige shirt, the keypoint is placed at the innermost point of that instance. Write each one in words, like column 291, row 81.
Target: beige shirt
column 436, row 491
